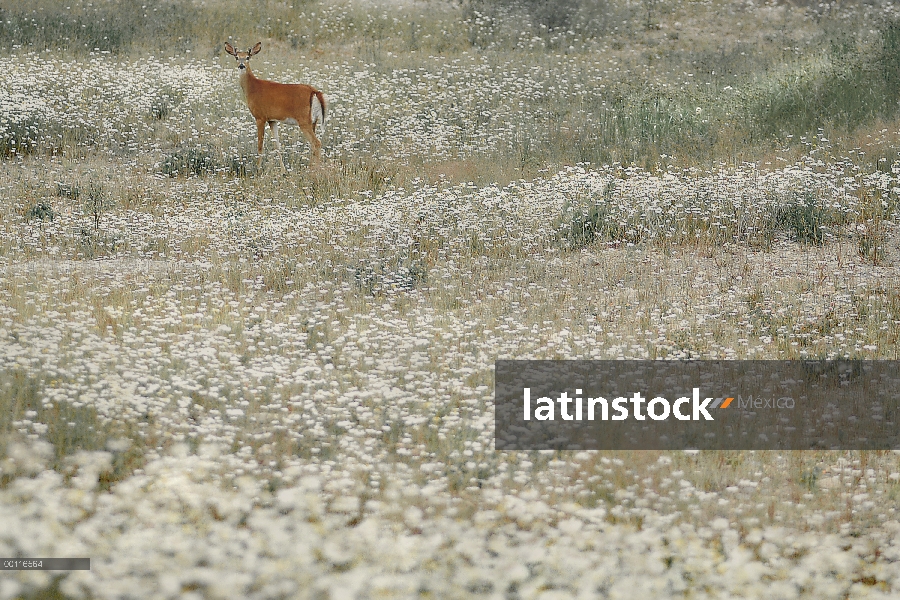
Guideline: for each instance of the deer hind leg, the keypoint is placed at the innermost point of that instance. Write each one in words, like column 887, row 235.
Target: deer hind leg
column 314, row 144
column 260, row 137
column 273, row 125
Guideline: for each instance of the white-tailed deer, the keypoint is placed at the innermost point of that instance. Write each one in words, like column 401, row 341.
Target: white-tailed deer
column 274, row 103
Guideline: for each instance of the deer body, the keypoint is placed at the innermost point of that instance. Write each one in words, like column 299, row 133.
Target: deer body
column 273, row 103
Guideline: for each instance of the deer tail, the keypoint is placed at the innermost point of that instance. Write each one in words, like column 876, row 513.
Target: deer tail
column 317, row 109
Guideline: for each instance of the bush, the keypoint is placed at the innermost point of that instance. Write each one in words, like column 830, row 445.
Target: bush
column 96, row 203
column 203, row 161
column 42, row 211
column 196, row 161
column 582, row 227
column 805, row 218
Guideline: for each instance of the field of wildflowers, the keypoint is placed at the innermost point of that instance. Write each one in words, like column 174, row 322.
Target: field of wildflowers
column 218, row 381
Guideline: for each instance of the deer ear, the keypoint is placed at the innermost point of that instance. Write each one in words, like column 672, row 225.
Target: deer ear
column 229, row 48
column 256, row 48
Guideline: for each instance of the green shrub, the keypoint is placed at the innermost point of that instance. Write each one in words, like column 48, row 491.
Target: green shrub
column 42, row 211
column 193, row 161
column 97, row 202
column 806, row 218
column 582, row 227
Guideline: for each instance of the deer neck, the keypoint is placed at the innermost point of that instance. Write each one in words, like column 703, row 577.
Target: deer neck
column 247, row 79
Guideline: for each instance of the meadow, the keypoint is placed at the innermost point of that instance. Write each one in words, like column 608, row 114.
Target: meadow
column 219, row 380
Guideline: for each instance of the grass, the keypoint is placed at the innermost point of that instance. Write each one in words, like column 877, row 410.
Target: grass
column 207, row 360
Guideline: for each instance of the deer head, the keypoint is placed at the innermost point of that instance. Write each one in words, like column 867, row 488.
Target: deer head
column 243, row 57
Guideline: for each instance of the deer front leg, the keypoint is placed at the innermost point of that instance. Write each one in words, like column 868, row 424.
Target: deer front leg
column 260, row 137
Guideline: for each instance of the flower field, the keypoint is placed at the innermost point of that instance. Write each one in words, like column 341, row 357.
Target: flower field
column 219, row 381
